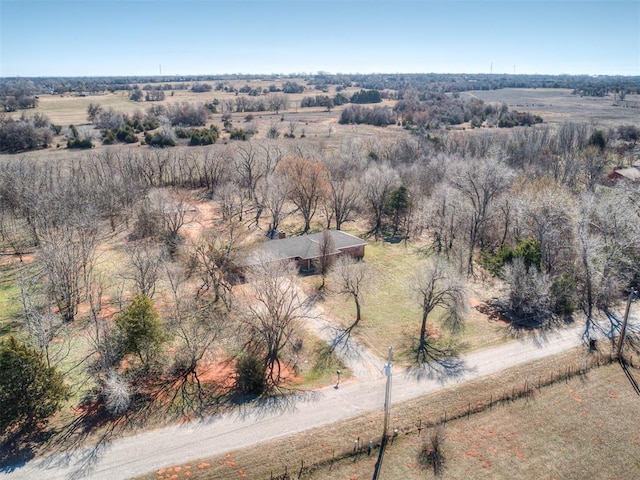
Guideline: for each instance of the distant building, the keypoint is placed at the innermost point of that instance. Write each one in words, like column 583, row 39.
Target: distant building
column 632, row 174
column 305, row 249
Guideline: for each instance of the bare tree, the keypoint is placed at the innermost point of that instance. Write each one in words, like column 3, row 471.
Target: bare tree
column 67, row 255
column 593, row 167
column 176, row 211
column 232, row 201
column 480, row 182
column 273, row 314
column 274, row 192
column 213, row 257
column 327, row 257
column 343, row 200
column 529, row 297
column 197, row 325
column 349, row 277
column 437, row 285
column 145, row 260
column 379, row 181
column 308, row 180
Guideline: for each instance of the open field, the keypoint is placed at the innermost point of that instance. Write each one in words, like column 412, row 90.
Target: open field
column 558, row 105
column 572, row 429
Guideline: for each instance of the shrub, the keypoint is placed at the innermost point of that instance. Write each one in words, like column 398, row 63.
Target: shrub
column 108, row 137
column 126, row 134
column 80, row 143
column 528, row 250
column 159, row 140
column 136, row 96
column 250, row 375
column 201, row 87
column 239, row 134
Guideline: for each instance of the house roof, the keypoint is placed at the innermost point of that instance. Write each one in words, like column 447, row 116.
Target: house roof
column 306, row 247
column 632, row 174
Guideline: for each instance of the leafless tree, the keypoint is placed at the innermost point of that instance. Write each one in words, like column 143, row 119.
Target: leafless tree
column 350, row 278
column 593, row 167
column 343, row 200
column 608, row 255
column 274, row 192
column 545, row 213
column 213, row 257
column 197, row 324
column 437, row 285
column 277, row 102
column 273, row 314
column 529, row 297
column 378, row 181
column 143, row 268
column 327, row 257
column 176, row 211
column 232, row 201
column 308, row 185
column 67, row 255
column 480, row 182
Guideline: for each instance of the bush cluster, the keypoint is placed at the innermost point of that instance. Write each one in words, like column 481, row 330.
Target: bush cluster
column 25, row 134
column 379, row 116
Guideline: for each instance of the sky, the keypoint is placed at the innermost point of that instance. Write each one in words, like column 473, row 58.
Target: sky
column 189, row 37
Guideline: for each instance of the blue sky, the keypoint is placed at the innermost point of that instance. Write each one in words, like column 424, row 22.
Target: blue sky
column 136, row 37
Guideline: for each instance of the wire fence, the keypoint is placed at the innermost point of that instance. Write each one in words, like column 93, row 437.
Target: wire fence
column 526, row 390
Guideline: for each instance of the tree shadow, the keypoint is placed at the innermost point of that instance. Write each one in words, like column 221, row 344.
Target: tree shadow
column 19, row 447
column 535, row 327
column 435, row 360
column 281, row 402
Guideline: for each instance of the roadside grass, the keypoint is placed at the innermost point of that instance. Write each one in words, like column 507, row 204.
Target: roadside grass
column 319, row 364
column 513, row 439
column 391, row 314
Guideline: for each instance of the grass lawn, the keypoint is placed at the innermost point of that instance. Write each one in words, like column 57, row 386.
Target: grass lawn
column 9, row 295
column 391, row 315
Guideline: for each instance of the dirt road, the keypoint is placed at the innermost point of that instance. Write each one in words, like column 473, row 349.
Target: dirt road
column 135, row 455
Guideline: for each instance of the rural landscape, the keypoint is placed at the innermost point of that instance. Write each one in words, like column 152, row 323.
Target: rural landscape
column 207, row 273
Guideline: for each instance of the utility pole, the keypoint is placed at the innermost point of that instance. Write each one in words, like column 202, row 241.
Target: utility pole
column 623, row 330
column 387, row 393
column 387, row 406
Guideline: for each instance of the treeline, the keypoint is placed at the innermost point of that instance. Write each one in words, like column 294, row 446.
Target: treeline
column 435, row 82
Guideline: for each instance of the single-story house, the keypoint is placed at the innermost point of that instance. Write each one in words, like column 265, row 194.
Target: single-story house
column 305, row 250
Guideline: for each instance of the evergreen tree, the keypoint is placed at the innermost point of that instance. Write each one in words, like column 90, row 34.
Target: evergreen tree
column 30, row 392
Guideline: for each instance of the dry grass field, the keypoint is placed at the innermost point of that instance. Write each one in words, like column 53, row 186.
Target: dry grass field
column 573, row 429
column 558, row 105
